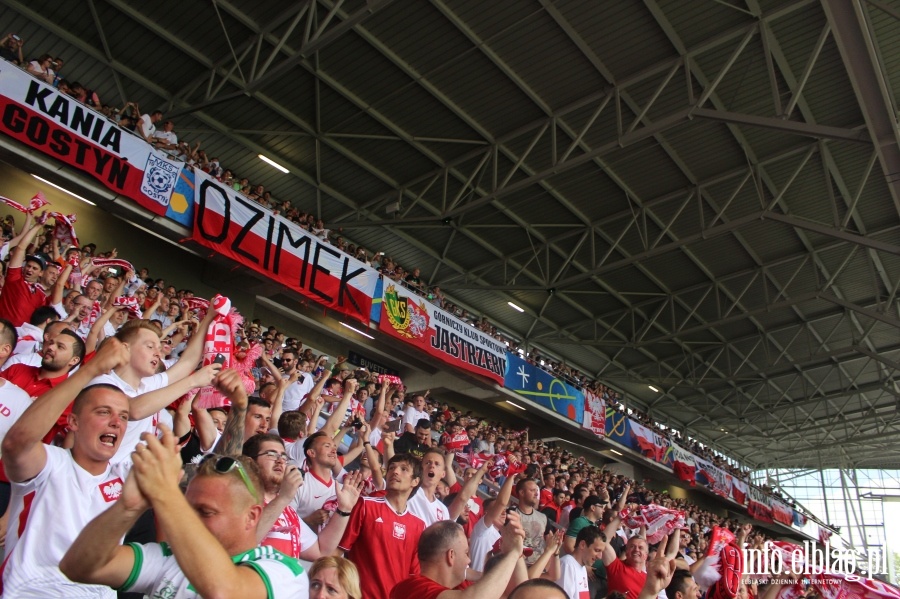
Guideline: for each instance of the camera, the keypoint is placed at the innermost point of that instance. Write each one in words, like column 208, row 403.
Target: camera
column 356, row 423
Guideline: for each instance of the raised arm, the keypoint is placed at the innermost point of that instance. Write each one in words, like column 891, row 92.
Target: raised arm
column 59, row 288
column 377, row 418
column 290, row 483
column 191, row 355
column 347, row 496
column 278, row 400
column 547, row 566
column 493, row 583
column 97, row 333
column 148, row 404
column 204, row 425
column 661, row 568
column 231, row 386
column 502, row 500
column 17, row 254
column 181, row 423
column 332, row 425
column 468, row 490
column 372, row 456
column 609, row 554
column 23, row 450
column 117, row 292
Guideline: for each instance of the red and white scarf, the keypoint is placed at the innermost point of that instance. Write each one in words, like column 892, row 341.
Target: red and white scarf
column 389, row 379
column 125, row 265
column 219, row 341
column 130, row 304
column 659, row 520
column 36, row 203
column 65, row 228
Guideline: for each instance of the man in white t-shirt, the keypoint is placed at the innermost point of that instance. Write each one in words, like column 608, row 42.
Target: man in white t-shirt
column 166, row 139
column 211, row 529
column 56, row 492
column 486, row 531
column 296, row 393
column 146, row 125
column 139, row 380
column 316, row 500
column 32, row 332
column 424, row 503
column 414, row 413
column 573, row 567
column 14, row 402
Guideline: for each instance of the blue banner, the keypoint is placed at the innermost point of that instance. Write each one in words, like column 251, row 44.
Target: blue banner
column 181, row 206
column 376, row 301
column 617, row 428
column 543, row 388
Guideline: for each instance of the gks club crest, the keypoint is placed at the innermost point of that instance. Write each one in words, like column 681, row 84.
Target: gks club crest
column 407, row 318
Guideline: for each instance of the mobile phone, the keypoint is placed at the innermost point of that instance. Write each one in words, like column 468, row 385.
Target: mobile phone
column 220, row 359
column 16, row 37
column 394, row 425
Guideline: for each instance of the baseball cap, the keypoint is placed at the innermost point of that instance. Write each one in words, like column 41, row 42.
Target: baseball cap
column 37, row 258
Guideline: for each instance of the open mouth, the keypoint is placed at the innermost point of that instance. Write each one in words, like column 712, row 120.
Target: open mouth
column 108, row 440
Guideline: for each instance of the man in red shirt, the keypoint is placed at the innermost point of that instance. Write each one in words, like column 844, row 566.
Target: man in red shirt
column 383, row 535
column 628, row 575
column 59, row 357
column 444, row 556
column 22, row 293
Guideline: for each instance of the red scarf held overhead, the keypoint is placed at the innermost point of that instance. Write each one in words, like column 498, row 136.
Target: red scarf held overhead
column 723, row 568
column 65, row 228
column 219, row 341
column 125, row 265
column 130, row 304
column 37, row 202
column 660, row 521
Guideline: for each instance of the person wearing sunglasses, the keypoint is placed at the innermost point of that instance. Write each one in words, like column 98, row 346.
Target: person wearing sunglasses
column 212, row 546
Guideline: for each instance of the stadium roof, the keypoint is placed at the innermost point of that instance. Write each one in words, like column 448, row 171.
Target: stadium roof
column 702, row 196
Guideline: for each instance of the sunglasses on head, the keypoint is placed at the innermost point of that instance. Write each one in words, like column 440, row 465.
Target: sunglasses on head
column 224, row 464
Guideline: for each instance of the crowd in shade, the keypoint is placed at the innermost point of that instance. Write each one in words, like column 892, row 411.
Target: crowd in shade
column 157, row 444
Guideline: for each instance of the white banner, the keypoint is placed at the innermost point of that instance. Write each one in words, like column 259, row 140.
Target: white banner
column 38, row 115
column 249, row 234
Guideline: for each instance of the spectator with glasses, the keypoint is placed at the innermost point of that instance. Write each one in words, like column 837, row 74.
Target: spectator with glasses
column 212, row 546
column 280, row 527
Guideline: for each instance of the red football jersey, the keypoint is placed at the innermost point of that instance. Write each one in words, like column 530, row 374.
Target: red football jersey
column 383, row 544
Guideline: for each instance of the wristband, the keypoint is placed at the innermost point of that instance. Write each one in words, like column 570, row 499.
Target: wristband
column 339, row 512
column 366, row 443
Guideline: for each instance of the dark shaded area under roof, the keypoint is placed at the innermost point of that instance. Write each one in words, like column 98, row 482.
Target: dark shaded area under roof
column 680, row 194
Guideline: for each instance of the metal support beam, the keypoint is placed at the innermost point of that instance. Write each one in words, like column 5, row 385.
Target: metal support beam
column 857, row 47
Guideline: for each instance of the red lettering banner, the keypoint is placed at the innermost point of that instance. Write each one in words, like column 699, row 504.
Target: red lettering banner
column 251, row 235
column 37, row 115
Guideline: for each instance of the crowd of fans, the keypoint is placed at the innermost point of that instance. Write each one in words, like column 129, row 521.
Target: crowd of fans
column 131, row 118
column 99, row 372
column 224, row 481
